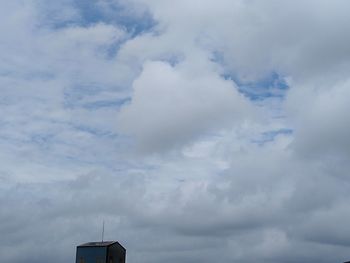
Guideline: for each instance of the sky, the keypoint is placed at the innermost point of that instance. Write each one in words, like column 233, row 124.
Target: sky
column 198, row 131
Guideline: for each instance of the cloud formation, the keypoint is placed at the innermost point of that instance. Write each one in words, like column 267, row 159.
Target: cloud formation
column 198, row 130
column 171, row 105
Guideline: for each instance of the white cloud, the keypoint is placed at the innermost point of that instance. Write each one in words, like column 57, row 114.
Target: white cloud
column 172, row 105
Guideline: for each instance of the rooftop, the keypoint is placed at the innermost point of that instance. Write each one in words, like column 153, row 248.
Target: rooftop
column 101, row 244
column 98, row 244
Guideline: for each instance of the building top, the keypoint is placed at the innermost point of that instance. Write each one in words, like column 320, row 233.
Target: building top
column 101, row 244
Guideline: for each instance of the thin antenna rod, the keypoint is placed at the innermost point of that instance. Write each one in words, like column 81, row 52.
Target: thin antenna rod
column 103, row 230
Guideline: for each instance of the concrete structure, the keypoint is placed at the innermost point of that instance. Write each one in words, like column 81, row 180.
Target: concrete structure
column 101, row 252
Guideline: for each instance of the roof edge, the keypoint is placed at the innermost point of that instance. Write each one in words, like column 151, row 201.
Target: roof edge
column 101, row 244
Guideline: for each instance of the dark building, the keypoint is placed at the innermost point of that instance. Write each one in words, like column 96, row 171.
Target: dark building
column 101, row 252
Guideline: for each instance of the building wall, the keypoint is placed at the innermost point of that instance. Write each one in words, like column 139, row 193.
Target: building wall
column 91, row 255
column 116, row 254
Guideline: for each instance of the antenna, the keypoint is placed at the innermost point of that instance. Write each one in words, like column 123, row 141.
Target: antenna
column 103, row 229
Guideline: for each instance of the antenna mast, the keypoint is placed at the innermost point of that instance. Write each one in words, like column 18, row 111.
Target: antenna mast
column 103, row 229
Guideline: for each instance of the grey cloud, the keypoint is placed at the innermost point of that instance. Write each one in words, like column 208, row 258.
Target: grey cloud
column 170, row 106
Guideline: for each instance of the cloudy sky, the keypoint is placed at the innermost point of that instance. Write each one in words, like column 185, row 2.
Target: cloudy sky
column 198, row 130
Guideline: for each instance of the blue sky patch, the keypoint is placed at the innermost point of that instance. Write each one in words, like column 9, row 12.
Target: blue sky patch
column 270, row 136
column 271, row 86
column 105, row 104
column 118, row 13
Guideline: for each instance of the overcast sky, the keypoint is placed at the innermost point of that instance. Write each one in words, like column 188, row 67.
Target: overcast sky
column 198, row 130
